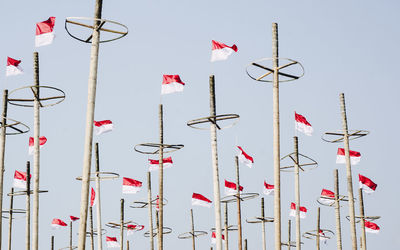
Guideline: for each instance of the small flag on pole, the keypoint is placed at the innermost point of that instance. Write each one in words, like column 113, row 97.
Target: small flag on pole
column 302, row 125
column 245, row 158
column 220, row 51
column 57, row 223
column 303, row 211
column 42, row 141
column 112, row 242
column 155, row 164
column 93, row 198
column 171, row 84
column 268, row 188
column 327, row 197
column 200, row 200
column 366, row 184
column 133, row 228
column 13, row 67
column 102, row 127
column 19, row 180
column 214, row 238
column 231, row 188
column 371, row 227
column 355, row 157
column 73, row 218
column 45, row 32
column 130, row 186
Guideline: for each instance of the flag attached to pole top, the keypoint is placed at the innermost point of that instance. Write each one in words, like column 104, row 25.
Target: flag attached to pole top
column 73, row 218
column 245, row 158
column 366, row 184
column 231, row 188
column 42, row 141
column 45, row 32
column 171, row 84
column 102, row 127
column 371, row 227
column 133, row 228
column 19, row 179
column 220, row 51
column 13, row 67
column 302, row 125
column 327, row 197
column 214, row 238
column 200, row 200
column 93, row 198
column 112, row 242
column 155, row 164
column 355, row 157
column 268, row 189
column 303, row 211
column 130, row 186
column 57, row 223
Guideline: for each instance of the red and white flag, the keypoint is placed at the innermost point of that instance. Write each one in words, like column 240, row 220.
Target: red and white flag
column 231, row 188
column 371, row 227
column 57, row 223
column 366, row 184
column 214, row 238
column 158, row 203
column 155, row 164
column 327, row 197
column 322, row 236
column 133, row 228
column 45, row 32
column 268, row 189
column 302, row 125
column 19, row 180
column 171, row 84
column 200, row 200
column 355, row 157
column 245, row 158
column 112, row 242
column 303, row 211
column 102, row 127
column 130, row 186
column 93, row 198
column 42, row 141
column 13, row 67
column 220, row 51
column 73, row 218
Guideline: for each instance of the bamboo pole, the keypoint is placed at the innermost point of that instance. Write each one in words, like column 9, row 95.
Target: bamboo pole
column 127, row 245
column 349, row 174
column 217, row 195
column 52, row 242
column 318, row 228
column 276, row 139
column 28, row 207
column 161, row 181
column 92, row 82
column 337, row 211
column 245, row 244
column 226, row 227
column 239, row 212
column 11, row 218
column 264, row 243
column 289, row 233
column 98, row 205
column 193, row 237
column 297, row 192
column 2, row 153
column 150, row 210
column 122, row 224
column 70, row 235
column 91, row 228
column 362, row 222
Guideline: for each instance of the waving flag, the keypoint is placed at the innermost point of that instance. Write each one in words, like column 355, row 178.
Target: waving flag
column 231, row 188
column 200, row 200
column 268, row 189
column 322, row 236
column 57, row 223
column 221, row 51
column 171, row 84
column 42, row 141
column 13, row 67
column 303, row 211
column 366, row 184
column 45, row 32
column 245, row 158
column 133, row 228
column 102, row 127
column 19, row 180
column 371, row 227
column 302, row 125
column 214, row 238
column 112, row 242
column 93, row 198
column 158, row 203
column 355, row 157
column 155, row 164
column 130, row 186
column 73, row 218
column 327, row 197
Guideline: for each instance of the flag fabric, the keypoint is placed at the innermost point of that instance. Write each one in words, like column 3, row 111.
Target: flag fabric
column 57, row 223
column 355, row 157
column 220, row 51
column 45, row 32
column 327, row 197
column 268, row 189
column 93, row 198
column 19, row 179
column 133, row 228
column 245, row 158
column 171, row 84
column 112, row 242
column 200, row 200
column 73, row 218
column 102, row 127
column 130, row 186
column 371, row 227
column 302, row 125
column 158, row 203
column 214, row 238
column 366, row 184
column 13, row 67
column 42, row 141
column 322, row 236
column 303, row 211
column 231, row 188
column 155, row 164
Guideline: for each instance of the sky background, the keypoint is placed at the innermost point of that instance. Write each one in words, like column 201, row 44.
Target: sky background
column 345, row 47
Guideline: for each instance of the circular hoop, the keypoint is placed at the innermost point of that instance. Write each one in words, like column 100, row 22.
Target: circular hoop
column 24, row 192
column 303, row 167
column 230, row 228
column 166, row 230
column 167, row 148
column 289, row 77
column 14, row 211
column 340, row 198
column 19, row 101
column 102, row 176
column 339, row 135
column 292, row 243
column 19, row 131
column 73, row 247
column 243, row 197
column 88, row 234
column 100, row 27
column 115, row 225
column 143, row 204
column 328, row 234
column 189, row 235
column 259, row 220
column 214, row 120
column 368, row 218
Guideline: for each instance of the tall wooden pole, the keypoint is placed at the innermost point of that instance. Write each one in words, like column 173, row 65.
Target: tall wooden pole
column 3, row 131
column 70, row 235
column 264, row 243
column 87, row 157
column 193, row 237
column 239, row 213
column 318, row 228
column 297, row 192
column 127, row 245
column 226, row 227
column 150, row 210
column 349, row 174
column 91, row 228
column 98, row 205
column 122, row 224
column 362, row 222
column 28, row 207
column 289, row 233
column 337, row 211
column 11, row 218
column 52, row 242
column 161, row 181
column 276, row 139
column 245, row 244
column 214, row 152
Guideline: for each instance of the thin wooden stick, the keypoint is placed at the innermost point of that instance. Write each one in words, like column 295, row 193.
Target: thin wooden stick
column 150, row 210
column 226, row 227
column 161, row 181
column 239, row 212
column 337, row 211
column 263, row 225
column 28, row 207
column 98, row 194
column 362, row 215
column 10, row 222
column 297, row 192
column 318, row 228
column 2, row 153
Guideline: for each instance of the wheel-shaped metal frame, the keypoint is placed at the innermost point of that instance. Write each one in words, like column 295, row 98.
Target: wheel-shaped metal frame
column 292, row 243
column 167, row 148
column 189, row 235
column 230, row 228
column 271, row 71
column 14, row 211
column 368, row 218
column 102, row 22
column 102, row 176
column 20, row 101
column 18, row 193
column 23, row 130
column 303, row 166
column 166, row 230
column 328, row 234
column 214, row 120
column 73, row 247
column 115, row 225
column 338, row 136
column 243, row 197
column 144, row 204
column 259, row 220
column 340, row 198
column 88, row 234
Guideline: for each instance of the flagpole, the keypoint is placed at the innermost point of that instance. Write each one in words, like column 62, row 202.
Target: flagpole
column 318, row 228
column 150, row 210
column 245, row 244
column 297, row 192
column 52, row 242
column 2, row 151
column 263, row 224
column 91, row 228
column 226, row 227
column 98, row 207
column 239, row 213
column 289, row 233
column 193, row 237
column 161, row 181
column 28, row 207
column 362, row 222
column 70, row 235
column 122, row 225
column 11, row 218
column 337, row 211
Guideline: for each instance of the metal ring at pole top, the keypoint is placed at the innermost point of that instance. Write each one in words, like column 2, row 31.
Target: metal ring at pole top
column 118, row 225
column 214, row 120
column 102, row 176
column 73, row 247
column 230, row 228
column 23, row 130
column 330, row 201
column 189, row 235
column 338, row 136
column 243, row 197
column 144, row 204
column 88, row 234
column 259, row 66
column 14, row 211
column 303, row 166
column 101, row 27
column 368, row 218
column 166, row 230
column 326, row 234
column 167, row 148
column 21, row 101
column 24, row 192
column 292, row 243
column 259, row 220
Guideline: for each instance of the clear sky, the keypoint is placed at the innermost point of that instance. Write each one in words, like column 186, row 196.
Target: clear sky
column 349, row 47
